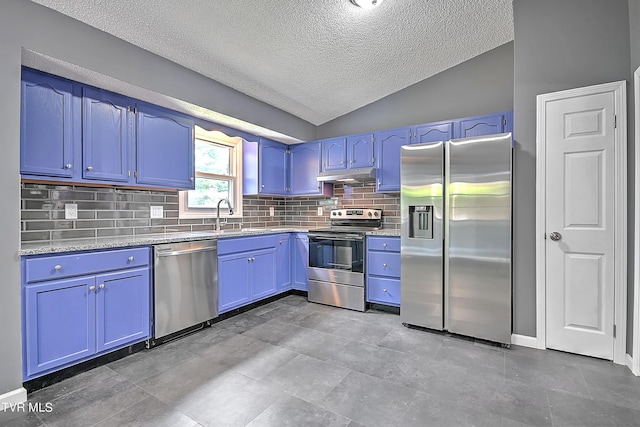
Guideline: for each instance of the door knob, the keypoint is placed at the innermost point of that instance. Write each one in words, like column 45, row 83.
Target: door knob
column 89, row 168
column 555, row 236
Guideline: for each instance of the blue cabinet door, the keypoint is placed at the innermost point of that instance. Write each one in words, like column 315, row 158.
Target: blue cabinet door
column 106, row 135
column 360, row 151
column 334, row 154
column 283, row 262
column 305, row 166
column 59, row 325
column 388, row 145
column 300, row 261
column 484, row 125
column 122, row 308
column 46, row 125
column 432, row 133
column 234, row 286
column 263, row 274
column 165, row 148
column 272, row 167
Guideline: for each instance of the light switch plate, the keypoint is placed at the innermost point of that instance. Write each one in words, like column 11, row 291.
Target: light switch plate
column 70, row 211
column 156, row 212
column 319, row 210
column 272, row 211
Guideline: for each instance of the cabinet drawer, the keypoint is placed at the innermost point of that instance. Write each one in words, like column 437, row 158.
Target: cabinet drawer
column 243, row 244
column 59, row 266
column 389, row 244
column 383, row 264
column 383, row 291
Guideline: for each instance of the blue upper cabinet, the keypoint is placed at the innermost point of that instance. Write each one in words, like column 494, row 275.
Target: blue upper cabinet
column 388, row 144
column 360, row 151
column 272, row 167
column 432, row 132
column 47, row 123
column 76, row 133
column 165, row 148
column 483, row 125
column 334, row 154
column 305, row 166
column 106, row 136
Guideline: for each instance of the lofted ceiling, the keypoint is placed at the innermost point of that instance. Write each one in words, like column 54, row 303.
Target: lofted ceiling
column 317, row 60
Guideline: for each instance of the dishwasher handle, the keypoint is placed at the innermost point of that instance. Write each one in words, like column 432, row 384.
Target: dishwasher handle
column 186, row 251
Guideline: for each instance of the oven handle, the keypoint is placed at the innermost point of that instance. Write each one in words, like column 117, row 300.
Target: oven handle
column 341, row 239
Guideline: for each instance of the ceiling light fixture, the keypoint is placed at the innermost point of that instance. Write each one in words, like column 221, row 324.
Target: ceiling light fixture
column 367, row 4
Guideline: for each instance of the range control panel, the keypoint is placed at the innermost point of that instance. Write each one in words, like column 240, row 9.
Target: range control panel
column 358, row 213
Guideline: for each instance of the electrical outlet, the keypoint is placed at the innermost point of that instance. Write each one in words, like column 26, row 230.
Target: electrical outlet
column 319, row 210
column 70, row 211
column 272, row 211
column 156, row 211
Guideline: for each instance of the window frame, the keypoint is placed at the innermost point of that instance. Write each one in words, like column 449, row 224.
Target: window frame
column 235, row 144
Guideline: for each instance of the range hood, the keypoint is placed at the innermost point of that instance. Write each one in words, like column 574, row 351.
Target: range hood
column 348, row 175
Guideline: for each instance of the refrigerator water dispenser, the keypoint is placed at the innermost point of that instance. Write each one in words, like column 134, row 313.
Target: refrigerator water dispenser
column 421, row 222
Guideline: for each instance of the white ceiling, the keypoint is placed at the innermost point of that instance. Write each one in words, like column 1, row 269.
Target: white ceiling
column 316, row 59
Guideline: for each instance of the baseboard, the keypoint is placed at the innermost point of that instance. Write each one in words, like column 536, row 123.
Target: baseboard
column 18, row 395
column 629, row 363
column 524, row 341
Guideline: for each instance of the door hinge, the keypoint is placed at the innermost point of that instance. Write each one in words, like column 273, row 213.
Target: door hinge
column 288, row 151
column 373, row 160
column 615, row 121
column 504, row 122
column 614, row 331
column 135, row 174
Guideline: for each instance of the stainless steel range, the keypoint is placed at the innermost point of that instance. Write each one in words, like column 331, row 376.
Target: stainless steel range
column 337, row 258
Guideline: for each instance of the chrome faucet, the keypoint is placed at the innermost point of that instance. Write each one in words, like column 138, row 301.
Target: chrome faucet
column 218, row 212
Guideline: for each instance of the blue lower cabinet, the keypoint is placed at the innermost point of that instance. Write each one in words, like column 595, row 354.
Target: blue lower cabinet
column 263, row 274
column 300, row 243
column 234, row 280
column 383, row 270
column 59, row 324
column 283, row 262
column 245, row 277
column 122, row 308
column 68, row 320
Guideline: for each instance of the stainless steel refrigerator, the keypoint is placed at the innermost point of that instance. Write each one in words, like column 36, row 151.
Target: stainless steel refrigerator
column 456, row 236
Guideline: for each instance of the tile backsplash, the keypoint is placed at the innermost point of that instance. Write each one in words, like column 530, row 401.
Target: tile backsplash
column 108, row 212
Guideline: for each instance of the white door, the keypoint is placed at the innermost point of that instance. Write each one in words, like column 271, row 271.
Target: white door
column 580, row 159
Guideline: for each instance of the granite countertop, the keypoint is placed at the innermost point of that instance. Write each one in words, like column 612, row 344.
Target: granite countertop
column 391, row 232
column 72, row 245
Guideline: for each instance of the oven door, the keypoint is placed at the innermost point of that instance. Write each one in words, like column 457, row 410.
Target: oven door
column 337, row 258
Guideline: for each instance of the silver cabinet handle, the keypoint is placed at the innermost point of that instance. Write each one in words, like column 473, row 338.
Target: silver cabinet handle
column 262, row 186
column 384, row 290
column 384, row 265
column 57, row 267
column 350, row 161
column 101, row 285
column 89, row 168
column 555, row 236
column 92, row 288
column 342, row 162
column 384, row 244
column 131, row 258
column 191, row 179
column 68, row 166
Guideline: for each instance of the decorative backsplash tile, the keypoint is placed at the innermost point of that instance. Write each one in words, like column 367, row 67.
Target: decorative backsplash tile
column 108, row 212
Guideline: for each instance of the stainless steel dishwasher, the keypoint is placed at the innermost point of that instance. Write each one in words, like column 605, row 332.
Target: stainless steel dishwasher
column 185, row 285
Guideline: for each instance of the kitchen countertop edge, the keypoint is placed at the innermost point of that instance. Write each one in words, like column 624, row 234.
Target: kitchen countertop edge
column 74, row 245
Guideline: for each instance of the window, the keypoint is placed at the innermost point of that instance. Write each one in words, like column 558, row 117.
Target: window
column 218, row 176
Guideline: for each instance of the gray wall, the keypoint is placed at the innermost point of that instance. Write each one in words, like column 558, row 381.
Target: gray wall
column 482, row 85
column 558, row 45
column 26, row 24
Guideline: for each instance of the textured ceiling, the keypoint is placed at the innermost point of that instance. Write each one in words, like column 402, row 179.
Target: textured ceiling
column 317, row 60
